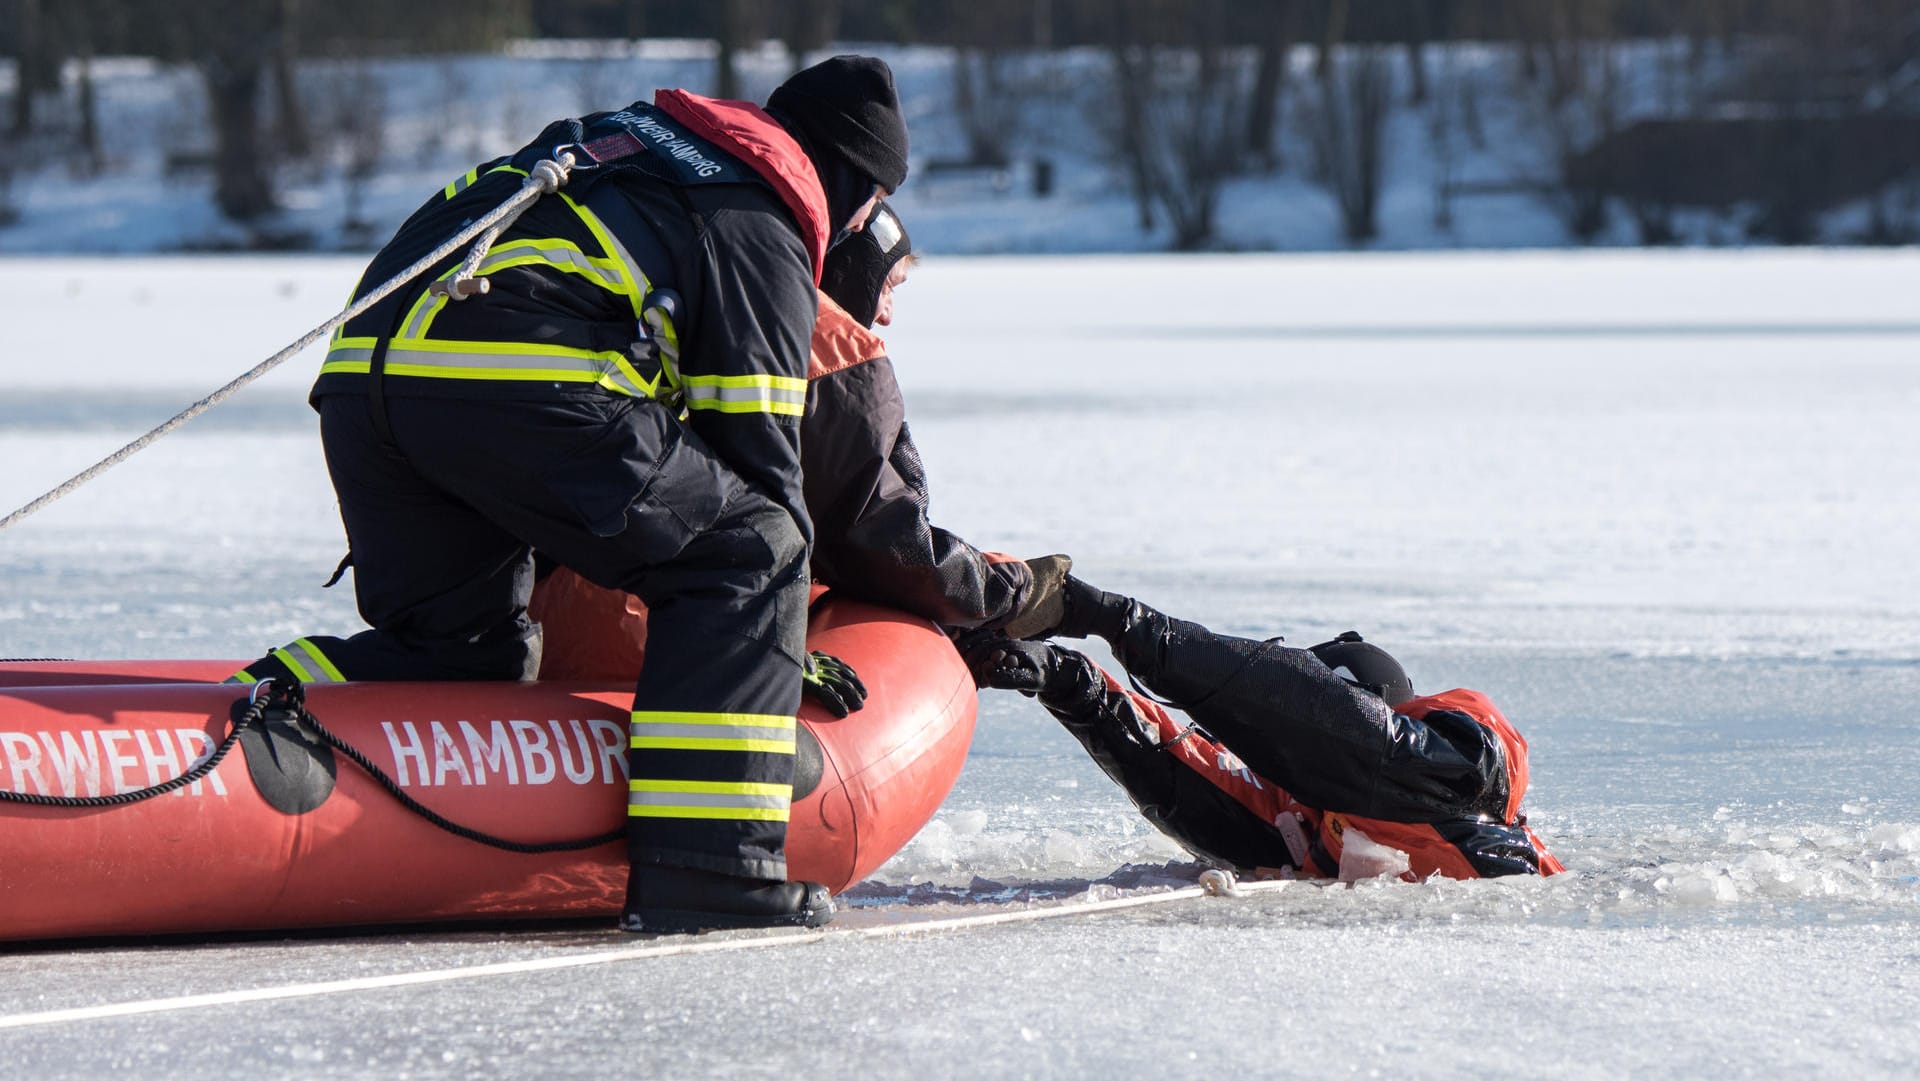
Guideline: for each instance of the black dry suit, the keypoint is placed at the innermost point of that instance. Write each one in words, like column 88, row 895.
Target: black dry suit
column 626, row 399
column 1285, row 761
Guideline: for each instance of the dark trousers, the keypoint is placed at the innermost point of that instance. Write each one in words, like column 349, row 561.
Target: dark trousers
column 442, row 522
column 1293, row 721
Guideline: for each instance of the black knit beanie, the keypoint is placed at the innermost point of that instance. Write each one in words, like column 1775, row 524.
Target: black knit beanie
column 847, row 106
column 858, row 268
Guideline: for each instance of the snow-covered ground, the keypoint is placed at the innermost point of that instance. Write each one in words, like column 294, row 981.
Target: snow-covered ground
column 1660, row 506
column 1485, row 130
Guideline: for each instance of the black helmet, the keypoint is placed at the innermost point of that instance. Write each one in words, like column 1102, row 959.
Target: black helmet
column 1366, row 666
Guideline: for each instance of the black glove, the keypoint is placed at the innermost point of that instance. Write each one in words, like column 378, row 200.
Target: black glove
column 1010, row 664
column 833, row 683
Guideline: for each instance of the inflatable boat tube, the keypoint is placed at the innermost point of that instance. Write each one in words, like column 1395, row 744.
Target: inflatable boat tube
column 529, row 762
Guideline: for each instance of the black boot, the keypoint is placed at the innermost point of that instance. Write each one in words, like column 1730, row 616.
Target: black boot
column 680, row 900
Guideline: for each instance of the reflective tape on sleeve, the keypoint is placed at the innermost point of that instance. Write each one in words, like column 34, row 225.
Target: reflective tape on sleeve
column 777, row 394
column 637, row 282
column 747, row 800
column 433, row 358
column 307, row 663
column 461, row 183
column 683, row 731
column 560, row 255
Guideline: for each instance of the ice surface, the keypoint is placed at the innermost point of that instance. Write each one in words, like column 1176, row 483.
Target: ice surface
column 1661, row 507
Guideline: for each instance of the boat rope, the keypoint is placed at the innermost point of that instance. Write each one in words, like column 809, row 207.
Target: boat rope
column 1214, row 883
column 290, row 697
column 546, row 176
column 297, row 694
column 255, row 713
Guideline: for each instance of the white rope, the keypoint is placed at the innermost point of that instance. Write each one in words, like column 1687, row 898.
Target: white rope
column 547, row 176
column 1213, row 884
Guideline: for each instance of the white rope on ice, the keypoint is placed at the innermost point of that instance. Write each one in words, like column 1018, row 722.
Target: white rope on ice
column 1213, row 884
column 546, row 176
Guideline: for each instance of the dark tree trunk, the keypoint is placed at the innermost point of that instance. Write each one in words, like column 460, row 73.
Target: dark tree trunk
column 636, row 11
column 92, row 154
column 289, row 115
column 1269, row 84
column 1130, row 72
column 811, row 25
column 1330, row 39
column 732, row 29
column 233, row 93
column 1417, row 67
column 29, row 47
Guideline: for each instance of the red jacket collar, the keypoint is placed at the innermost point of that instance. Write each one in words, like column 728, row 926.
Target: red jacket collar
column 744, row 130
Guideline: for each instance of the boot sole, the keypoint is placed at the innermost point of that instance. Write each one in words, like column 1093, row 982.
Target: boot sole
column 669, row 921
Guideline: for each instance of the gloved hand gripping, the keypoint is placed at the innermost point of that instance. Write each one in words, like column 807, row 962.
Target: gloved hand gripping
column 833, row 683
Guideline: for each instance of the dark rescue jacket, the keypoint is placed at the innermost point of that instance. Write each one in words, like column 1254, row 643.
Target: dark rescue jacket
column 867, row 492
column 1202, row 795
column 677, row 264
column 867, row 495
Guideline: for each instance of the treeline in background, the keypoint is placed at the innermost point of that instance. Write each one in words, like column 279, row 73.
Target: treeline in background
column 1770, row 112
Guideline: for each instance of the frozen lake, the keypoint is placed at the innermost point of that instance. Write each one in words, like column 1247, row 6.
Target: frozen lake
column 1660, row 506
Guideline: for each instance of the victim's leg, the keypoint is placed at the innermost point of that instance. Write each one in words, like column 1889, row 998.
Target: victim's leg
column 1283, row 712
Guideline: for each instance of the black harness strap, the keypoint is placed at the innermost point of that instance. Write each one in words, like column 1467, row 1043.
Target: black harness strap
column 377, row 384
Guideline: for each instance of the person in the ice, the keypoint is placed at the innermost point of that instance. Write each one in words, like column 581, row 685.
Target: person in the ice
column 865, row 490
column 627, row 400
column 1287, row 766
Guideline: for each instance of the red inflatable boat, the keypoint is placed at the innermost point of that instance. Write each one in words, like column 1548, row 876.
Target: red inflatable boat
column 534, row 762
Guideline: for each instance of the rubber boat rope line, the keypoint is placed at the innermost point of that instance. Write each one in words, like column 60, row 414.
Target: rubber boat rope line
column 1213, row 883
column 291, row 698
column 546, row 176
column 255, row 713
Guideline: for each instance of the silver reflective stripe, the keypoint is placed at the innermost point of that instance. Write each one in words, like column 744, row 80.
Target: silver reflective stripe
column 658, row 730
column 706, row 799
column 462, row 182
column 530, row 367
column 557, row 256
column 636, row 278
column 774, row 398
column 307, row 663
column 422, row 312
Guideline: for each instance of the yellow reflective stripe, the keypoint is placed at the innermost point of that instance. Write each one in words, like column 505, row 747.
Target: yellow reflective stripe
column 242, row 676
column 694, row 743
column 293, row 656
column 293, row 666
column 779, row 394
column 734, row 814
column 666, row 340
column 639, row 719
column 460, row 183
column 561, row 255
column 320, row 658
column 636, row 279
column 437, row 358
column 685, row 731
column 719, row 788
column 709, row 799
column 424, row 309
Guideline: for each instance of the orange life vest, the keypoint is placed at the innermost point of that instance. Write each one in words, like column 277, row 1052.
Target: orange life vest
column 1319, row 840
